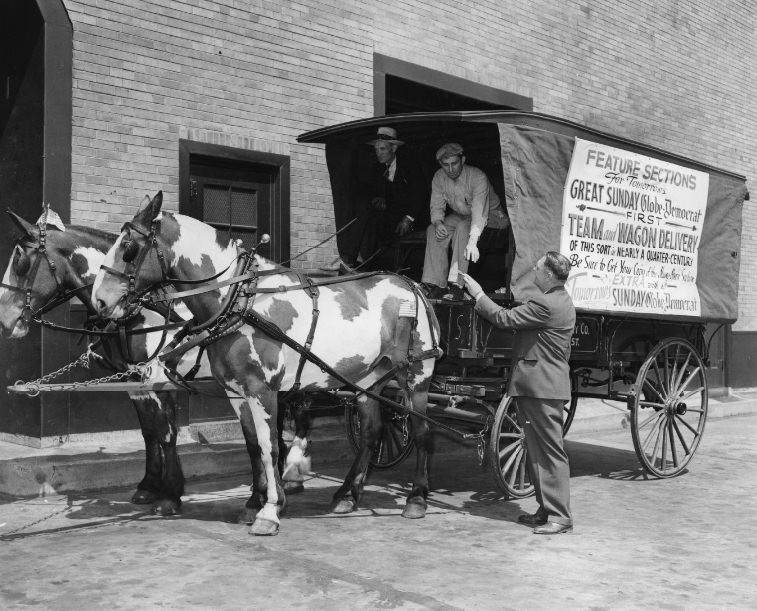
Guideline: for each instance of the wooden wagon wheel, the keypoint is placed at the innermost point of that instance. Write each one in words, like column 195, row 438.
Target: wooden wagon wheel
column 507, row 447
column 396, row 436
column 507, row 452
column 669, row 407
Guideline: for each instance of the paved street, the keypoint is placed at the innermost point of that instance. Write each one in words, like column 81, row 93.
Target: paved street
column 685, row 543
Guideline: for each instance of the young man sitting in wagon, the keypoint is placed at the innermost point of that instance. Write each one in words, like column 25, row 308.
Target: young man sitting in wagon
column 473, row 205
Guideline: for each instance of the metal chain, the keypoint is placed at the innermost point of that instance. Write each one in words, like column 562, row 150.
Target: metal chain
column 10, row 533
column 34, row 388
column 480, row 438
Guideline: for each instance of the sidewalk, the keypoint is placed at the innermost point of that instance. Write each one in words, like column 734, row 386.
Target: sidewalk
column 79, row 467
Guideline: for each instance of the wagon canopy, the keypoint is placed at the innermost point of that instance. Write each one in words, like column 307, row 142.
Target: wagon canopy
column 648, row 232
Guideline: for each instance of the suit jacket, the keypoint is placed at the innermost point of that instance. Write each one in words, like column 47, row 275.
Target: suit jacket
column 543, row 328
column 405, row 195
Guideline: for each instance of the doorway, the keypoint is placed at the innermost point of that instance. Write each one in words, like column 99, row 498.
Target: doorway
column 245, row 194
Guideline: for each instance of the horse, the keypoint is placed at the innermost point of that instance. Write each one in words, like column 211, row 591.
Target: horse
column 51, row 264
column 282, row 332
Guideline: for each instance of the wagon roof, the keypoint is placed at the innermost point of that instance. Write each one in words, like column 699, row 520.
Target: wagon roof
column 528, row 157
column 365, row 128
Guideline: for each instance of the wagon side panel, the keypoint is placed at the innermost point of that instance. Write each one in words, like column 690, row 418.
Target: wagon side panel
column 718, row 278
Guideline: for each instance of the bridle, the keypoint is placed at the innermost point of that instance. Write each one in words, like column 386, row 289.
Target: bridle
column 134, row 257
column 28, row 271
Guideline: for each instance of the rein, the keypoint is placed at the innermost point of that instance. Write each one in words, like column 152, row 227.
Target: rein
column 113, row 329
column 236, row 311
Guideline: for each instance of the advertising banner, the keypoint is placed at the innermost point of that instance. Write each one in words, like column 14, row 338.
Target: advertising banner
column 632, row 228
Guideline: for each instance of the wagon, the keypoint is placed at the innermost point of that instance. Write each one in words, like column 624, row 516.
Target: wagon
column 654, row 240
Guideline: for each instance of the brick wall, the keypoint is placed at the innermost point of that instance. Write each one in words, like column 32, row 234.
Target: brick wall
column 255, row 74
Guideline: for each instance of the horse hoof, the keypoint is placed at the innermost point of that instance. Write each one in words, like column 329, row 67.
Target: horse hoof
column 344, row 506
column 414, row 509
column 144, row 497
column 166, row 507
column 264, row 528
column 293, row 487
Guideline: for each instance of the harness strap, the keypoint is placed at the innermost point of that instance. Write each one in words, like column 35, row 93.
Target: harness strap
column 273, row 331
column 278, row 289
column 123, row 344
column 190, row 375
column 313, row 290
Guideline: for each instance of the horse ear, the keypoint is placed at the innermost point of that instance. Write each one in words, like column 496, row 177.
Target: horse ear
column 24, row 226
column 155, row 204
column 150, row 212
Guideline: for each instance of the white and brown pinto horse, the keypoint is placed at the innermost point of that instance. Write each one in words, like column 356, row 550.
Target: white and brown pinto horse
column 360, row 334
column 47, row 268
column 50, row 266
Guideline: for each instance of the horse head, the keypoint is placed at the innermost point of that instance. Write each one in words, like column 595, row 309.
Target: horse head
column 158, row 248
column 133, row 265
column 47, row 262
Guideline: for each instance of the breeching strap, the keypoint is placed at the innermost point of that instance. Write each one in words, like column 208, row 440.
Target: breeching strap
column 273, row 331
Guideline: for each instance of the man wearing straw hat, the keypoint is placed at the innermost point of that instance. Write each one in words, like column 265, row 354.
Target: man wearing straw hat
column 394, row 203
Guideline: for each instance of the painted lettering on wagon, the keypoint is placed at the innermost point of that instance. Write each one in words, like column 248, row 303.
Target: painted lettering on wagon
column 632, row 229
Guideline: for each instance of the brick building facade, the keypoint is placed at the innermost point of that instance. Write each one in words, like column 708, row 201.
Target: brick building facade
column 146, row 78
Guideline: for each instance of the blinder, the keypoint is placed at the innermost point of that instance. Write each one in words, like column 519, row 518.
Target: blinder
column 21, row 263
column 130, row 251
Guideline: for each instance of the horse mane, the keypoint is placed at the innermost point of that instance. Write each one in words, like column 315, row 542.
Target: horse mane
column 81, row 235
column 93, row 231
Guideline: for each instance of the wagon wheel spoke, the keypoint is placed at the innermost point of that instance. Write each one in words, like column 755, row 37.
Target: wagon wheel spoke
column 681, row 373
column 680, row 390
column 652, row 404
column 666, row 374
column 656, row 428
column 508, row 449
column 522, row 472
column 508, row 418
column 509, row 435
column 663, row 435
column 390, row 449
column 648, row 384
column 662, row 377
column 681, row 440
column 516, row 457
column 690, row 394
column 687, row 425
column 674, row 372
column 656, row 415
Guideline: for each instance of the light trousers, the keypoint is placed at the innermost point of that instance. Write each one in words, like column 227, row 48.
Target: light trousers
column 438, row 269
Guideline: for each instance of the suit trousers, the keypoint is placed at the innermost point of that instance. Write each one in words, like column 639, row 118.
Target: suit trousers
column 547, row 462
column 437, row 268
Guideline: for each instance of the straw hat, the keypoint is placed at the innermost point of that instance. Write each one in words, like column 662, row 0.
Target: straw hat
column 386, row 134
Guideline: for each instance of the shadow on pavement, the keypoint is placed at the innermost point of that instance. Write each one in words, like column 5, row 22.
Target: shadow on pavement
column 458, row 484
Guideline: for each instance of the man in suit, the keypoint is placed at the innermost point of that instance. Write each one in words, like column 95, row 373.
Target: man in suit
column 540, row 383
column 393, row 201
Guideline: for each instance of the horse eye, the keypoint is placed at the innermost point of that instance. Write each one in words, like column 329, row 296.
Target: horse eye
column 130, row 251
column 21, row 264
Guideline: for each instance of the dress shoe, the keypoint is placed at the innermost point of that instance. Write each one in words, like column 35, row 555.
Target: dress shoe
column 433, row 291
column 553, row 528
column 455, row 293
column 532, row 519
